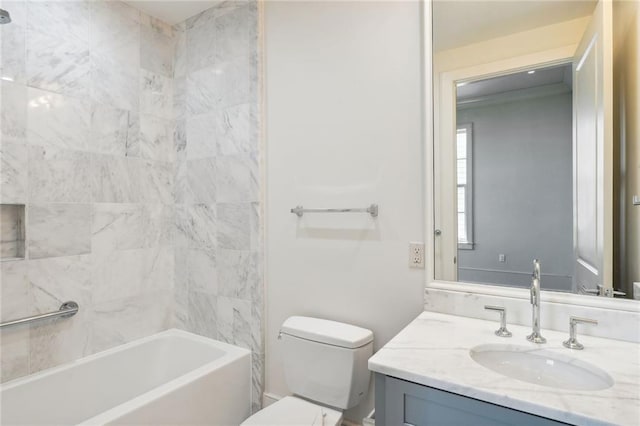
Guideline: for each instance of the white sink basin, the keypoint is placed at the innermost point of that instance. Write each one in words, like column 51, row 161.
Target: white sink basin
column 541, row 367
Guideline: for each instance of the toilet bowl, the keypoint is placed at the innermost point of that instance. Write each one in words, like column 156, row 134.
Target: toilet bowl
column 325, row 366
column 294, row 411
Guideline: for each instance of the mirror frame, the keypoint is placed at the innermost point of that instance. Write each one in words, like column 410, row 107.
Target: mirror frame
column 492, row 69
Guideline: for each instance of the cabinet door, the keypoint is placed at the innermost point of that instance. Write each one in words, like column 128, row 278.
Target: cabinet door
column 404, row 403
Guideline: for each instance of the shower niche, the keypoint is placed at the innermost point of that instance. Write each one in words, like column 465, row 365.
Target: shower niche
column 12, row 231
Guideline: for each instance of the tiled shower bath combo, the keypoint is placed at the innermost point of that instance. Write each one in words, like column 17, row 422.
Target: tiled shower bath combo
column 133, row 147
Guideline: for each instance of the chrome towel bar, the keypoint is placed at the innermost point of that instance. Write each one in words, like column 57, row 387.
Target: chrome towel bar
column 67, row 309
column 372, row 210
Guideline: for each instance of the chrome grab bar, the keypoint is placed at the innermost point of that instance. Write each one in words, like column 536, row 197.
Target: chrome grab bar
column 372, row 210
column 67, row 309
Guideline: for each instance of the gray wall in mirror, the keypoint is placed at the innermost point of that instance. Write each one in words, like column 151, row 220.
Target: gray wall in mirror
column 522, row 190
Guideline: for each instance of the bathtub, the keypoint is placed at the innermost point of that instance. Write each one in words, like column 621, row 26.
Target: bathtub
column 173, row 377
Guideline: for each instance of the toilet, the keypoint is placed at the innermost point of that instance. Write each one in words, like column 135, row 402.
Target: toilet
column 325, row 366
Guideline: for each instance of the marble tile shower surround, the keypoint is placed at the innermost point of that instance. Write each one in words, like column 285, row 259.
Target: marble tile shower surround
column 87, row 145
column 134, row 146
column 218, row 286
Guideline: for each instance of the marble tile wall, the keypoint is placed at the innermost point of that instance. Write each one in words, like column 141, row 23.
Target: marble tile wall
column 218, row 267
column 134, row 146
column 87, row 145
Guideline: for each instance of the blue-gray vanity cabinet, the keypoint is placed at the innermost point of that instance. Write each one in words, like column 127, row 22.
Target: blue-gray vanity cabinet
column 399, row 402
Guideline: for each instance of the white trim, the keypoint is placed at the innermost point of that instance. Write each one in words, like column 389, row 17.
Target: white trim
column 427, row 54
column 508, row 66
column 586, row 52
column 264, row 193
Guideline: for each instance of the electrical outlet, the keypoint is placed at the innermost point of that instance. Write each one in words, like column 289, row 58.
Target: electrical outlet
column 502, row 258
column 416, row 255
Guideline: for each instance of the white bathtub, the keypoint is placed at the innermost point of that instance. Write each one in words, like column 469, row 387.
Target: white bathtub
column 173, row 377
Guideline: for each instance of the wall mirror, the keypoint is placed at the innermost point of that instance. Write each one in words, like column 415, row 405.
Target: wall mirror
column 537, row 144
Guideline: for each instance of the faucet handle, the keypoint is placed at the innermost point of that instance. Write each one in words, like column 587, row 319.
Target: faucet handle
column 601, row 290
column 573, row 343
column 502, row 331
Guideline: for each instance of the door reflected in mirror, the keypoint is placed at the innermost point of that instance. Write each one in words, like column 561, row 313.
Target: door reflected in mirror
column 535, row 154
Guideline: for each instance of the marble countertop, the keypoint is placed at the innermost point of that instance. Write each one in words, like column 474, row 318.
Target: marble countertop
column 433, row 350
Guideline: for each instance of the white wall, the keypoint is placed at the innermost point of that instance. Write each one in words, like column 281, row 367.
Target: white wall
column 343, row 123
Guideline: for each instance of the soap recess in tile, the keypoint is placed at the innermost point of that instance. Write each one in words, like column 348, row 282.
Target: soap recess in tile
column 12, row 231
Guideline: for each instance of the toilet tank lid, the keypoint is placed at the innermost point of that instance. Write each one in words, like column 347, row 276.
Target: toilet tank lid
column 326, row 331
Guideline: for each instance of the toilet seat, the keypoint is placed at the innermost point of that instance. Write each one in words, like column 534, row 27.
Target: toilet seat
column 294, row 411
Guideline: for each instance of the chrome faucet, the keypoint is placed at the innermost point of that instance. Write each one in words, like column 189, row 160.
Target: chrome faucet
column 535, row 335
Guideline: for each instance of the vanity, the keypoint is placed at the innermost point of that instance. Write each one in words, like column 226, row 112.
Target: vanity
column 526, row 211
column 523, row 175
column 447, row 369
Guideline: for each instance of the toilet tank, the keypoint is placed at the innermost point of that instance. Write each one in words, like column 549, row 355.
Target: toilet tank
column 326, row 361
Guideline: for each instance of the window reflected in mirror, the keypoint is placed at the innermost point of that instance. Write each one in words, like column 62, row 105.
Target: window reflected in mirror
column 464, row 163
